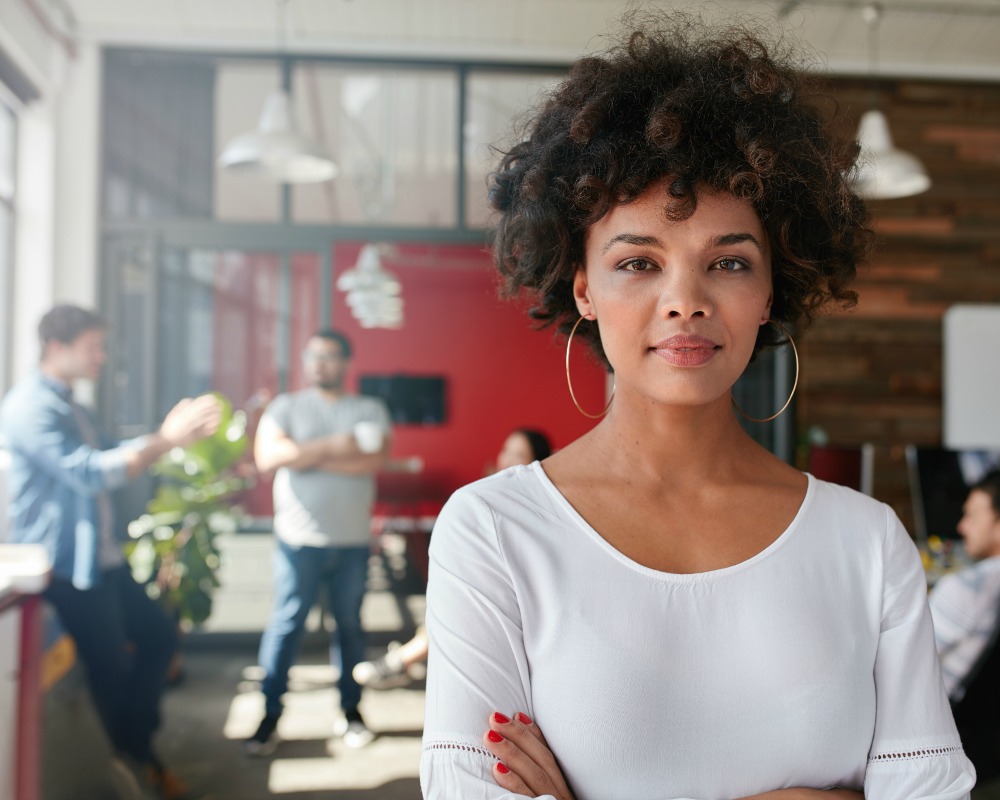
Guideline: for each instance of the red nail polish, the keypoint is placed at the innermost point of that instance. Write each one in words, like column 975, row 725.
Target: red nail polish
column 493, row 736
column 502, row 768
column 500, row 718
column 524, row 719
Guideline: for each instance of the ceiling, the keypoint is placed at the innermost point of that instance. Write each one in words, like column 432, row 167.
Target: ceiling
column 936, row 38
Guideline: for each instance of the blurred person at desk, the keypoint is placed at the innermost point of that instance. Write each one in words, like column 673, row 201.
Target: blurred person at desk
column 522, row 446
column 63, row 468
column 964, row 604
column 326, row 445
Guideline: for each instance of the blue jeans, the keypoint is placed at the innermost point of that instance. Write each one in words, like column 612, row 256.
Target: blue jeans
column 299, row 572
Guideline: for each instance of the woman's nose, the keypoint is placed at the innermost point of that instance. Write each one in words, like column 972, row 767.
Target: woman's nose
column 685, row 296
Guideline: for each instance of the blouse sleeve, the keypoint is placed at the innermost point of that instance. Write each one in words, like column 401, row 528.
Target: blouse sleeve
column 476, row 662
column 916, row 753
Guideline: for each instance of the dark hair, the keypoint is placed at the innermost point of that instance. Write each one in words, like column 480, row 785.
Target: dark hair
column 335, row 336
column 541, row 447
column 990, row 484
column 707, row 109
column 64, row 323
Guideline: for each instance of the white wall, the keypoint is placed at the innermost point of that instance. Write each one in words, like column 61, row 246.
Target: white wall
column 55, row 255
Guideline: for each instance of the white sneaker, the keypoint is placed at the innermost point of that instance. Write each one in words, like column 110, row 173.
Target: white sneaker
column 385, row 672
column 352, row 728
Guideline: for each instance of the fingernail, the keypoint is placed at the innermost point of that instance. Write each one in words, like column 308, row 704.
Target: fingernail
column 500, row 718
column 502, row 768
column 493, row 736
column 524, row 719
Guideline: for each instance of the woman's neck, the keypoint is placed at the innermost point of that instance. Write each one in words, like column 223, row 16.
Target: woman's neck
column 650, row 440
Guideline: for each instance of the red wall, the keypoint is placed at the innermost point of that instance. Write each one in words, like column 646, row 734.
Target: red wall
column 500, row 373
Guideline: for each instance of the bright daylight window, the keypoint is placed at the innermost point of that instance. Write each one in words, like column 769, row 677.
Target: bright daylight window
column 7, row 169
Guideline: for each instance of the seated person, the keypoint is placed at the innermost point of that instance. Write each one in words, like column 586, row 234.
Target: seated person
column 522, row 446
column 964, row 604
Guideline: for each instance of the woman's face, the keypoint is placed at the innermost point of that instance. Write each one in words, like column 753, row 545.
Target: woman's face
column 679, row 304
column 516, row 450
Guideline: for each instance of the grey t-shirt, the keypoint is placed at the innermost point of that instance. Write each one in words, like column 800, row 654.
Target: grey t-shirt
column 313, row 507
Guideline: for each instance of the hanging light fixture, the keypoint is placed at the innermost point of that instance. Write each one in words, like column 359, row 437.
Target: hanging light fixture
column 276, row 151
column 373, row 293
column 883, row 171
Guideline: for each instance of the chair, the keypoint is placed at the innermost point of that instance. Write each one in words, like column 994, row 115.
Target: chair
column 977, row 714
column 852, row 466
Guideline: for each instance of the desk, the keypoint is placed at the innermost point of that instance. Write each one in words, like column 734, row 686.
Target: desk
column 408, row 503
column 24, row 574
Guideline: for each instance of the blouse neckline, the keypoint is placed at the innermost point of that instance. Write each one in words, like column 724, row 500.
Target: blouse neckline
column 675, row 577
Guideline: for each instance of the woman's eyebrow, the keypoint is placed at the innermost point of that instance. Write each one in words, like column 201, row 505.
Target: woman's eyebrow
column 737, row 238
column 630, row 238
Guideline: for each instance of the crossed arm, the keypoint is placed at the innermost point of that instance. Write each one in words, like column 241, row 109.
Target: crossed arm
column 337, row 452
column 527, row 766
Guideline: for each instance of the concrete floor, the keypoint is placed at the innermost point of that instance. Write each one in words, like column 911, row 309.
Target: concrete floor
column 218, row 702
column 217, row 706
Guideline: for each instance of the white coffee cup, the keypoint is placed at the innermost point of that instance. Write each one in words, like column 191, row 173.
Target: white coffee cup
column 369, row 436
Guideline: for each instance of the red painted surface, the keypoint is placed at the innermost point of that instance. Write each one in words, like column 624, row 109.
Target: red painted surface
column 29, row 702
column 500, row 372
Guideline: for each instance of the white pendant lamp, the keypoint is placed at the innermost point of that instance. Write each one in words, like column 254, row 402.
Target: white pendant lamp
column 276, row 151
column 373, row 293
column 883, row 172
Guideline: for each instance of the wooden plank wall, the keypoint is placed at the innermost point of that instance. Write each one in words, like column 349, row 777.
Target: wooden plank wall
column 874, row 374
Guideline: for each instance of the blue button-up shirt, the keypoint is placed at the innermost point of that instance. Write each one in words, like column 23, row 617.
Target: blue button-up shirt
column 57, row 476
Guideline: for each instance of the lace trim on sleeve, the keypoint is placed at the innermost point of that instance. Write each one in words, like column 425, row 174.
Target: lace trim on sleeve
column 911, row 755
column 463, row 746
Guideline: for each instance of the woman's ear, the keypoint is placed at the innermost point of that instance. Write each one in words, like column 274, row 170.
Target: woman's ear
column 767, row 309
column 581, row 294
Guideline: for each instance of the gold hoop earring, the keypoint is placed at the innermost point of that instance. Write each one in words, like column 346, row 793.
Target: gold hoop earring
column 795, row 385
column 569, row 381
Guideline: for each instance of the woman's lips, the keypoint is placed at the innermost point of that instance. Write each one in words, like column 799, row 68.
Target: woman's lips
column 686, row 351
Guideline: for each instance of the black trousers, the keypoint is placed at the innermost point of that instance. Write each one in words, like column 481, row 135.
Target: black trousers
column 125, row 642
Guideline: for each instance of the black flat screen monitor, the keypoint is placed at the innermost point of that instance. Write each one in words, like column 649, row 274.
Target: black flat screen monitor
column 412, row 399
column 939, row 483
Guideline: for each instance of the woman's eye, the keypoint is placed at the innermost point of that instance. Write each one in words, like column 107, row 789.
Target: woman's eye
column 635, row 265
column 730, row 264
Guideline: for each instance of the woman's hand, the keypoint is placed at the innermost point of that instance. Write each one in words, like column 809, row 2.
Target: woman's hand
column 526, row 764
column 809, row 794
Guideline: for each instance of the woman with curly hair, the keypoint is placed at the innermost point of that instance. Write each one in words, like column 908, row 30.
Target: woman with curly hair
column 683, row 614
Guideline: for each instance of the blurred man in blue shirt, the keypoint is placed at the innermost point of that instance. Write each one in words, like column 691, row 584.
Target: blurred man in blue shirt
column 62, row 471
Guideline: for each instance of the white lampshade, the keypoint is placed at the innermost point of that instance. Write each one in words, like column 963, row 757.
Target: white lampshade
column 883, row 172
column 276, row 151
column 372, row 292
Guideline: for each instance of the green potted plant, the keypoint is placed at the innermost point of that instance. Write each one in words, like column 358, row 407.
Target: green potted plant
column 172, row 548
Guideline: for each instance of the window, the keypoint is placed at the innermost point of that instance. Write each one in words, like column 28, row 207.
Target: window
column 393, row 134
column 495, row 100
column 8, row 148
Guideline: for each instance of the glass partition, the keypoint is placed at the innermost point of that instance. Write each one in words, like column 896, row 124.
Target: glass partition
column 234, row 321
column 494, row 101
column 393, row 134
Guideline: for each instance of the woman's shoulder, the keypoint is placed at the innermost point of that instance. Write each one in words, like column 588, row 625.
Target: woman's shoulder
column 482, row 516
column 858, row 517
column 851, row 500
column 502, row 492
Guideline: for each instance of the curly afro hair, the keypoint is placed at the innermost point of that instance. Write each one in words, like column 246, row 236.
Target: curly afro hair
column 705, row 108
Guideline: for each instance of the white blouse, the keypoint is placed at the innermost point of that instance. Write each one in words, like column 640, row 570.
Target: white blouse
column 811, row 664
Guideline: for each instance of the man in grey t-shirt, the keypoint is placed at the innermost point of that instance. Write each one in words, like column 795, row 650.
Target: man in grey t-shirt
column 326, row 446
